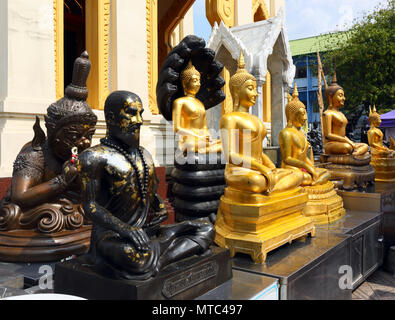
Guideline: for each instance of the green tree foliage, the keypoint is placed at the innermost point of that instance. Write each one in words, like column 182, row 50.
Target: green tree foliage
column 365, row 61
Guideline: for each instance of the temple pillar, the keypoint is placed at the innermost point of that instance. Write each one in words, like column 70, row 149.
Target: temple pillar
column 278, row 94
column 27, row 73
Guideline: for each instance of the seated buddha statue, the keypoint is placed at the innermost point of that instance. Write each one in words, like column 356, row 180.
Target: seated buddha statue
column 324, row 205
column 44, row 202
column 347, row 161
column 334, row 125
column 257, row 198
column 189, row 83
column 189, row 117
column 383, row 158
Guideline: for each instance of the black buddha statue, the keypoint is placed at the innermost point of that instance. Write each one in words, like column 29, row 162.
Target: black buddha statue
column 119, row 195
column 41, row 218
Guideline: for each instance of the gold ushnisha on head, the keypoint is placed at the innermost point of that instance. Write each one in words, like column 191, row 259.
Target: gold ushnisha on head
column 373, row 115
column 237, row 80
column 188, row 73
column 293, row 105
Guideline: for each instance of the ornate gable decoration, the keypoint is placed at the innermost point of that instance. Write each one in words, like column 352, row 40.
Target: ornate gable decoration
column 257, row 41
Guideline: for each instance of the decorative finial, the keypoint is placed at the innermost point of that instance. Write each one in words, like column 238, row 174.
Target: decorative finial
column 370, row 110
column 241, row 63
column 289, row 97
column 77, row 89
column 374, row 108
column 295, row 93
column 334, row 78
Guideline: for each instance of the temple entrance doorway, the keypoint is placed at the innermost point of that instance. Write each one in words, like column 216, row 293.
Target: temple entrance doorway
column 74, row 35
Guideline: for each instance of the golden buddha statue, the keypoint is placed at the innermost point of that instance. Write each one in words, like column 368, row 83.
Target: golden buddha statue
column 383, row 158
column 324, row 205
column 335, row 123
column 348, row 161
column 189, row 116
column 262, row 206
column 189, row 83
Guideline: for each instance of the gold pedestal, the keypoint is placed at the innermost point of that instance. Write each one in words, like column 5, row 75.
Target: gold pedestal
column 348, row 171
column 256, row 224
column 385, row 169
column 324, row 205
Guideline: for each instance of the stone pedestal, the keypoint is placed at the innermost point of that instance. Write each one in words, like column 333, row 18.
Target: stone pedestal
column 385, row 169
column 349, row 172
column 186, row 279
column 256, row 224
column 324, row 205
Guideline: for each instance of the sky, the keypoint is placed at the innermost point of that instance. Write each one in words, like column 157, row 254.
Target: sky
column 305, row 18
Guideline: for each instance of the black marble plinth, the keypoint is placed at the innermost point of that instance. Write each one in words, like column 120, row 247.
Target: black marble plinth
column 305, row 269
column 366, row 241
column 186, row 279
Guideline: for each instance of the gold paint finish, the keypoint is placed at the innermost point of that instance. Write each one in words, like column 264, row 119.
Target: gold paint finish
column 383, row 158
column 334, row 125
column 189, row 117
column 221, row 10
column 262, row 206
column 346, row 160
column 323, row 205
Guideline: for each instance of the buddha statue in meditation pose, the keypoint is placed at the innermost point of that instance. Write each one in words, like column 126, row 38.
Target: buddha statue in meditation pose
column 335, row 122
column 324, row 205
column 119, row 195
column 41, row 218
column 383, row 158
column 189, row 83
column 347, row 161
column 189, row 117
column 258, row 195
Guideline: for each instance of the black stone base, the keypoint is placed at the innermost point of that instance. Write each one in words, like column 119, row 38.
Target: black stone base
column 183, row 280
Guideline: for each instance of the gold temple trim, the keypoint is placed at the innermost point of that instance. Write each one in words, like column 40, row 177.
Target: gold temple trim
column 152, row 52
column 97, row 45
column 59, row 47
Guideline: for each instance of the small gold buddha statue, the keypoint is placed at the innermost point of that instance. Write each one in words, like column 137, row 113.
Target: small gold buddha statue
column 335, row 122
column 189, row 83
column 261, row 208
column 383, row 158
column 189, row 116
column 324, row 205
column 347, row 161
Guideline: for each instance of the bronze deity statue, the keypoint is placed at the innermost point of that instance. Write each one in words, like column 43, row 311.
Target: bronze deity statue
column 383, row 158
column 189, row 83
column 262, row 206
column 324, row 205
column 347, row 161
column 41, row 218
column 119, row 195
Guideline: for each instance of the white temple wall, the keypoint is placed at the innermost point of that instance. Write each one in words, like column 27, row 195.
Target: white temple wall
column 27, row 68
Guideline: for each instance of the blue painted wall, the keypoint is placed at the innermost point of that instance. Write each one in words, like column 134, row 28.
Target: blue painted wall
column 306, row 79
